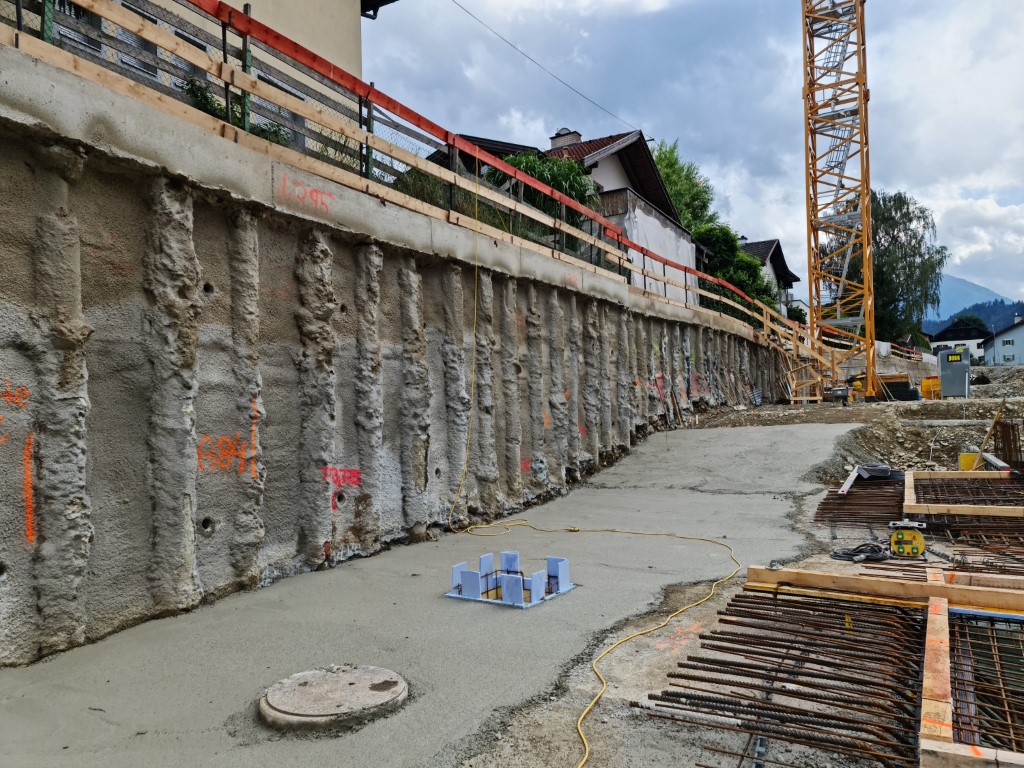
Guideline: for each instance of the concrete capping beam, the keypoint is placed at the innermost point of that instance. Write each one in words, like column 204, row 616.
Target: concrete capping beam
column 637, row 301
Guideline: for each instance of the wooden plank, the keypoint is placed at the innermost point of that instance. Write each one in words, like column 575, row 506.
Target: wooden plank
column 497, row 234
column 942, row 754
column 979, row 510
column 936, row 720
column 110, row 80
column 891, row 602
column 993, row 580
column 936, row 685
column 147, row 30
column 985, row 474
column 958, row 595
column 909, row 493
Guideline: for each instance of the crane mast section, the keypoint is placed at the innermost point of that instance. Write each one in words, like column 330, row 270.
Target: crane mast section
column 839, row 263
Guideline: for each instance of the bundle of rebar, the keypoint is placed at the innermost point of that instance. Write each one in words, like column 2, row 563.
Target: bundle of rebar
column 875, row 501
column 834, row 675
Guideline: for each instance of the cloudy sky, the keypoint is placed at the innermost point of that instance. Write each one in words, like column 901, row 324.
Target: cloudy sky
column 724, row 78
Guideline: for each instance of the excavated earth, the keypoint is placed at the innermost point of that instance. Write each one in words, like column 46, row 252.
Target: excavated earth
column 919, row 435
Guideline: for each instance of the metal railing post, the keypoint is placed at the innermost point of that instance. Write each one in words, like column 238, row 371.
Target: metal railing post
column 247, row 68
column 369, row 129
column 559, row 234
column 366, row 123
column 453, row 166
column 224, row 53
column 18, row 14
column 46, row 26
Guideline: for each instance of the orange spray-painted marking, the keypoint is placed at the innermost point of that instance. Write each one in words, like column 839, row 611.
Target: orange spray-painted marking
column 30, row 509
column 252, row 438
column 976, row 752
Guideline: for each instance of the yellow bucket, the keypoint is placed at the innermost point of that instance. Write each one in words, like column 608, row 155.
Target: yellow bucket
column 967, row 462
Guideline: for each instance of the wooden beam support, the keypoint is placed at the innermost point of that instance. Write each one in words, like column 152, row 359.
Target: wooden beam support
column 959, row 596
column 936, row 691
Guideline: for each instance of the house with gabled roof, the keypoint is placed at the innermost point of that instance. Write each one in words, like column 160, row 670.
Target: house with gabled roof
column 962, row 333
column 634, row 196
column 773, row 262
column 1002, row 347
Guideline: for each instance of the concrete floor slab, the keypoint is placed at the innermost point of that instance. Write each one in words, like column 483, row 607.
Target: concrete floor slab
column 180, row 691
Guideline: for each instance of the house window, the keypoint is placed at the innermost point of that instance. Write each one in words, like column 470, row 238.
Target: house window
column 142, row 64
column 268, row 106
column 1007, row 342
column 189, row 67
column 1007, row 358
column 78, row 36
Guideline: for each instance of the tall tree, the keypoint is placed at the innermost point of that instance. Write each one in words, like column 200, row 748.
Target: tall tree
column 690, row 190
column 907, row 264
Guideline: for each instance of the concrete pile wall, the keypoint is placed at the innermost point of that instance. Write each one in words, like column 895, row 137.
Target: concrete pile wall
column 207, row 389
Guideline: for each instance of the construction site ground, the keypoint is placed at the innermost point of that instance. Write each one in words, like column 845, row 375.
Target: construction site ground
column 492, row 686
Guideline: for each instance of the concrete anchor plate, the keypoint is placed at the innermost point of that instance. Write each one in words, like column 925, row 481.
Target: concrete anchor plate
column 332, row 697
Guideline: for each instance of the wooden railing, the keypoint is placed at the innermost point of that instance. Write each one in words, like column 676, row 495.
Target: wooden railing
column 272, row 95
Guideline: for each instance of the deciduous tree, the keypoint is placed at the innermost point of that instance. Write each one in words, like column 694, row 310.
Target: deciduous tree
column 690, row 190
column 907, row 264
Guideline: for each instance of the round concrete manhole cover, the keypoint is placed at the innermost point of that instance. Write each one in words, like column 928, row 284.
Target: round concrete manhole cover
column 332, row 697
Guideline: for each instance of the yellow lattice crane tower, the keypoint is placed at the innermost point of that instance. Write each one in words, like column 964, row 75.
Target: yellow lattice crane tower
column 839, row 264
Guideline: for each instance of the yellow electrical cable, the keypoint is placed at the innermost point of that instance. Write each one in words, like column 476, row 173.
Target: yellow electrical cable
column 505, row 526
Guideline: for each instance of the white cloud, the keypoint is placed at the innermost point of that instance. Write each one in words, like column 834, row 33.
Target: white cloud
column 523, row 129
column 515, row 9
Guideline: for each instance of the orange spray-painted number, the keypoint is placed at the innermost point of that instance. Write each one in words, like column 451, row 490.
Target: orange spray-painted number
column 222, row 454
column 17, row 397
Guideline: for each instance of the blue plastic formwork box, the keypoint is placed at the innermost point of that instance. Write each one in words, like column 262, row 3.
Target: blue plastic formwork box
column 507, row 584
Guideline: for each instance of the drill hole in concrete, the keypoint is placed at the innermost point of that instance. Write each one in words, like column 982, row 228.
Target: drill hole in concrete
column 208, row 289
column 343, row 308
column 437, row 472
column 208, row 525
column 339, row 497
column 3, row 571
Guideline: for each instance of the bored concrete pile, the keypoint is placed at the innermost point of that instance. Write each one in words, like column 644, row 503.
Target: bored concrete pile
column 206, row 392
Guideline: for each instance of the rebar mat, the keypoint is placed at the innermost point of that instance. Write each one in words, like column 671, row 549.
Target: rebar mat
column 987, row 675
column 877, row 501
column 1007, row 492
column 833, row 675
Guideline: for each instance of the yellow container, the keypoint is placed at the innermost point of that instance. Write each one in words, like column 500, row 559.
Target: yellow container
column 931, row 388
column 967, row 462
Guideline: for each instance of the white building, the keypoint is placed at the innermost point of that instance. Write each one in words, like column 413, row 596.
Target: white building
column 634, row 196
column 1006, row 347
column 774, row 266
column 961, row 334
